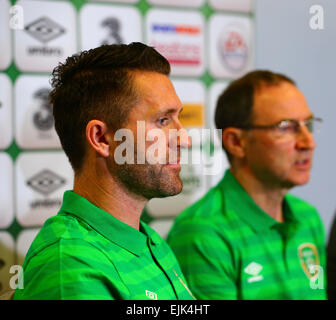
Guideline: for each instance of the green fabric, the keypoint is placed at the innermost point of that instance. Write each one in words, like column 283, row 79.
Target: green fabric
column 86, row 253
column 225, row 232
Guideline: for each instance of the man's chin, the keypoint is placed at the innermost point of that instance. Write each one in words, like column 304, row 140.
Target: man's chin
column 170, row 185
column 151, row 181
column 298, row 181
column 169, row 189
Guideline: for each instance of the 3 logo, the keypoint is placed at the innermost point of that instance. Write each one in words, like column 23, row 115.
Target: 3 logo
column 43, row 118
column 34, row 118
column 105, row 25
column 113, row 26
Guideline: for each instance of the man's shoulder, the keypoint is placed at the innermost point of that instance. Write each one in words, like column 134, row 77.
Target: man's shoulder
column 62, row 230
column 63, row 262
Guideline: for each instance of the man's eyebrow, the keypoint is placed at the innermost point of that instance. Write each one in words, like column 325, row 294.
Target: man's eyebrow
column 306, row 118
column 172, row 110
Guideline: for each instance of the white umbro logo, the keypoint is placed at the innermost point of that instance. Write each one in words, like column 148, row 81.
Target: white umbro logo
column 253, row 269
column 151, row 295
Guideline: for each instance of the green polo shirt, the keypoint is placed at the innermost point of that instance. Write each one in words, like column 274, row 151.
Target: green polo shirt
column 229, row 248
column 86, row 253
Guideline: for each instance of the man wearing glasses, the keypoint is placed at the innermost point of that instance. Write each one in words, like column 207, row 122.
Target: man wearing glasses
column 247, row 238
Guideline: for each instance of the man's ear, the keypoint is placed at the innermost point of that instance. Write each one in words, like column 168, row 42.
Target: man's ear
column 98, row 137
column 233, row 140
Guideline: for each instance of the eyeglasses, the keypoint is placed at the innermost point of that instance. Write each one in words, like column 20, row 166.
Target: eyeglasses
column 290, row 127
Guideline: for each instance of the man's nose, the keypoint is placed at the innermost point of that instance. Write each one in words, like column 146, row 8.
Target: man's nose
column 183, row 138
column 305, row 139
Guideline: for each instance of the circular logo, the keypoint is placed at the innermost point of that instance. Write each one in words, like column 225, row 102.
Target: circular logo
column 233, row 47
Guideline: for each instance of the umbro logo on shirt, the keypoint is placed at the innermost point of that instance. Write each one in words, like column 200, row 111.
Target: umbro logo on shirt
column 254, row 269
column 151, row 295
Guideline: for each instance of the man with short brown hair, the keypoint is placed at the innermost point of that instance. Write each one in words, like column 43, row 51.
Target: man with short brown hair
column 97, row 247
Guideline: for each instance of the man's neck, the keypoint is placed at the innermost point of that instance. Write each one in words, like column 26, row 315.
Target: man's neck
column 268, row 198
column 110, row 196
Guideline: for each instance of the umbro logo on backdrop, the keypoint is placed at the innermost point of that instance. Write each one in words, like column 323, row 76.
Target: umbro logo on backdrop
column 44, row 29
column 46, row 182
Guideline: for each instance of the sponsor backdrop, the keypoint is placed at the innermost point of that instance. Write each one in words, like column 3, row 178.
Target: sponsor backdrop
column 208, row 43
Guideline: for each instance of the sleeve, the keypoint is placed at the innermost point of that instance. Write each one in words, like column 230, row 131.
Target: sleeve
column 206, row 260
column 70, row 270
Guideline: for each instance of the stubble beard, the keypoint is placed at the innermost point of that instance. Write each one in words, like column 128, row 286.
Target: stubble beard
column 149, row 181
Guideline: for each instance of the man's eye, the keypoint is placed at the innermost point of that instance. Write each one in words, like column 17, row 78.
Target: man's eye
column 287, row 127
column 163, row 121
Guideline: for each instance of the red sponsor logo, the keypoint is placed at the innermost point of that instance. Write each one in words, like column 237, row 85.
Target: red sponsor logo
column 179, row 53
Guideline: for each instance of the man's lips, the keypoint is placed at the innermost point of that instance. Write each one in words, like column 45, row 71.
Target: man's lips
column 303, row 163
column 174, row 159
column 174, row 163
